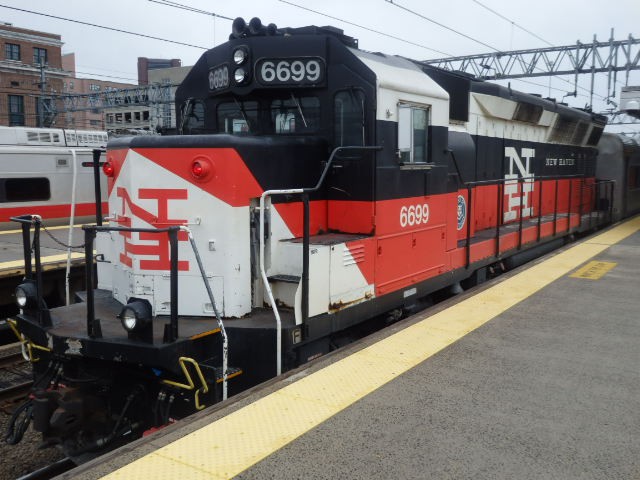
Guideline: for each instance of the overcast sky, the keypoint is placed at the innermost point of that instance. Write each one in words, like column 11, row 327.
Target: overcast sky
column 559, row 22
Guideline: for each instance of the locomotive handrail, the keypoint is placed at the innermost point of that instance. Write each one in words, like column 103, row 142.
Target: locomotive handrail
column 499, row 181
column 331, row 157
column 596, row 187
column 190, row 385
column 171, row 333
column 93, row 324
column 42, row 312
column 305, row 245
column 72, row 220
column 223, row 332
column 96, row 183
column 263, row 272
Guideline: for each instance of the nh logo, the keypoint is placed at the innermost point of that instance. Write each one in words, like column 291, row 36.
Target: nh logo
column 153, row 246
column 518, row 199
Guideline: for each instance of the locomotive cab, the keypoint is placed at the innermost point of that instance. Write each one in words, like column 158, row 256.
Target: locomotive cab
column 252, row 122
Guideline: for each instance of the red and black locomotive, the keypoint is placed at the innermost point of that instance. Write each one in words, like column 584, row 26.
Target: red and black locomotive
column 311, row 189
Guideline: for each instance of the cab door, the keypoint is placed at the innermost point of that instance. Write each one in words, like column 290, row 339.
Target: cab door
column 350, row 181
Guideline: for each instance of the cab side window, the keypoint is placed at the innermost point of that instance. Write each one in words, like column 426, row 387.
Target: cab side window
column 413, row 133
column 193, row 116
column 349, row 118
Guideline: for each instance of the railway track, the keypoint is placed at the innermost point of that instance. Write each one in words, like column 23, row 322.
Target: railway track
column 11, row 359
column 50, row 471
column 15, row 378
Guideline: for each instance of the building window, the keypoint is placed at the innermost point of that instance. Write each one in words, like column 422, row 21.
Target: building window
column 413, row 133
column 95, row 123
column 94, row 87
column 11, row 51
column 39, row 56
column 16, row 110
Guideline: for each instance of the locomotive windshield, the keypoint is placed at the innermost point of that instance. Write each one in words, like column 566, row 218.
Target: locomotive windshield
column 269, row 116
column 282, row 114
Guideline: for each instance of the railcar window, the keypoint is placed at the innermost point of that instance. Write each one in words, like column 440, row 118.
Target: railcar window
column 413, row 133
column 349, row 118
column 24, row 189
column 295, row 114
column 238, row 117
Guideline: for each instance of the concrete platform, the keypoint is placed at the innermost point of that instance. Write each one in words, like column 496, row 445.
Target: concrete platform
column 535, row 375
column 53, row 254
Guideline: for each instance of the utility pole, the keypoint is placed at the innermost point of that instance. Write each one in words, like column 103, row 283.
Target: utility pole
column 41, row 98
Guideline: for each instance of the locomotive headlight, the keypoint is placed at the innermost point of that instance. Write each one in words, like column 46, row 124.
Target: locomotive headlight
column 239, row 56
column 25, row 294
column 129, row 319
column 239, row 75
column 136, row 315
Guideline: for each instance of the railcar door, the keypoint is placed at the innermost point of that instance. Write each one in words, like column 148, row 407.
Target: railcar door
column 350, row 181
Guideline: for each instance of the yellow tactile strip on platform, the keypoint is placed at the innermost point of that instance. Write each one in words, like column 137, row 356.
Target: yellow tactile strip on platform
column 593, row 270
column 234, row 443
column 14, row 267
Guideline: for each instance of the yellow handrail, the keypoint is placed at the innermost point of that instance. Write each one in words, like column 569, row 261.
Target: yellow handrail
column 26, row 342
column 190, row 385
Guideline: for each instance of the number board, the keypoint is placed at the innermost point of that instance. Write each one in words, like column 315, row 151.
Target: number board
column 302, row 71
column 219, row 77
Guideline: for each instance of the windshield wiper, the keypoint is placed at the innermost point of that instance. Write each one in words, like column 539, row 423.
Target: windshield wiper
column 187, row 107
column 295, row 100
column 244, row 115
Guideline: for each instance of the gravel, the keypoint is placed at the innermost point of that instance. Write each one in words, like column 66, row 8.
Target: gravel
column 25, row 457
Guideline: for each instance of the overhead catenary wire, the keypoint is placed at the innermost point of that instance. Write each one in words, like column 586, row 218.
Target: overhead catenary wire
column 188, row 8
column 103, row 75
column 365, row 28
column 110, row 70
column 513, row 23
column 546, row 86
column 104, row 27
column 575, row 84
column 402, row 7
column 413, row 12
column 195, row 10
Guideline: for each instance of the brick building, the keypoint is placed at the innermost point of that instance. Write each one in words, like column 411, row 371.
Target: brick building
column 27, row 56
column 146, row 64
